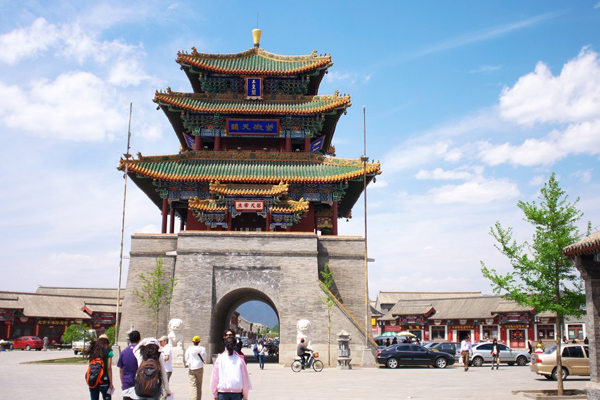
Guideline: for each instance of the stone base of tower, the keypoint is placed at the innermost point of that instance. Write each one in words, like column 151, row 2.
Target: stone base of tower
column 216, row 272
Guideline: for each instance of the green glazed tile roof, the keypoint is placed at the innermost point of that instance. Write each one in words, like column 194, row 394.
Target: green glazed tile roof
column 248, row 167
column 306, row 105
column 255, row 61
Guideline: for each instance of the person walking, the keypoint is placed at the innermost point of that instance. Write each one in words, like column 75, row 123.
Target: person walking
column 495, row 354
column 262, row 352
column 195, row 357
column 100, row 349
column 230, row 379
column 529, row 346
column 166, row 352
column 149, row 350
column 466, row 350
column 128, row 366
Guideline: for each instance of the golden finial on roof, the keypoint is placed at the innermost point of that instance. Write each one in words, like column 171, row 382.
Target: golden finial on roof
column 336, row 93
column 169, row 90
column 139, row 155
column 256, row 33
column 194, row 51
column 314, row 53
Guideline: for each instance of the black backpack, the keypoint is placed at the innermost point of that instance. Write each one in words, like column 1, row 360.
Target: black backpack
column 148, row 379
column 95, row 372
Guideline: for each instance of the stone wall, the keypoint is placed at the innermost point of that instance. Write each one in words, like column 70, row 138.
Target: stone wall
column 590, row 271
column 218, row 271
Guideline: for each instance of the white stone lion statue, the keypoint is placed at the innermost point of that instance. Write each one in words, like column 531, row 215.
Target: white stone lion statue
column 303, row 327
column 175, row 335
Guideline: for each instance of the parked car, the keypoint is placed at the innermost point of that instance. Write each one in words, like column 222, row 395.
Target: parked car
column 28, row 343
column 482, row 353
column 575, row 361
column 412, row 354
column 452, row 348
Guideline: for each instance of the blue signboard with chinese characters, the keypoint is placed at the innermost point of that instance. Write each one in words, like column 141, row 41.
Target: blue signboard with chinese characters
column 317, row 145
column 254, row 88
column 253, row 127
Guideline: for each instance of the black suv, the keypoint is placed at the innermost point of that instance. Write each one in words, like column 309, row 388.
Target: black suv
column 452, row 348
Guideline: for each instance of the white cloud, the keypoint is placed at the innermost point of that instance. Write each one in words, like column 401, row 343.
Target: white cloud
column 408, row 157
column 597, row 5
column 441, row 174
column 571, row 97
column 585, row 176
column 350, row 78
column 537, row 180
column 27, row 42
column 581, row 138
column 124, row 62
column 488, row 34
column 486, row 69
column 76, row 106
column 475, row 192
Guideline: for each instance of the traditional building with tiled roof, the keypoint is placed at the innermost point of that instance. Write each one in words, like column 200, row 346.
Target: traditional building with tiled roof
column 49, row 311
column 256, row 147
column 449, row 316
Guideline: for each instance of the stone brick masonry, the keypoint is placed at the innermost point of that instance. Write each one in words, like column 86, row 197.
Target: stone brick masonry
column 218, row 271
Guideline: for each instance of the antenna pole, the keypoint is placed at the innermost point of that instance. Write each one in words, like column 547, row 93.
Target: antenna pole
column 127, row 156
column 364, row 160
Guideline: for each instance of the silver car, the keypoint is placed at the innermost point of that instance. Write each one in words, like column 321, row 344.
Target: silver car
column 482, row 353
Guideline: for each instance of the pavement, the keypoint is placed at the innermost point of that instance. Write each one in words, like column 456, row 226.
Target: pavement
column 19, row 380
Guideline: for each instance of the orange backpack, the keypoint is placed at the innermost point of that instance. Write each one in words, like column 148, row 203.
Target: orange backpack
column 95, row 373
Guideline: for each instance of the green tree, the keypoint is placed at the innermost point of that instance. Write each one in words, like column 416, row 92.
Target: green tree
column 327, row 280
column 76, row 332
column 157, row 292
column 110, row 332
column 542, row 276
column 275, row 328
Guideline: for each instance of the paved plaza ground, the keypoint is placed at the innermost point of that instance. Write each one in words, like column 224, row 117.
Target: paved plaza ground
column 54, row 382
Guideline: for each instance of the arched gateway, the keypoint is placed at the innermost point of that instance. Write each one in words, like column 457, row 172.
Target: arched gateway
column 258, row 192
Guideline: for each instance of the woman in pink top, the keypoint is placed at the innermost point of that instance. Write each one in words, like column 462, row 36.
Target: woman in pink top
column 230, row 379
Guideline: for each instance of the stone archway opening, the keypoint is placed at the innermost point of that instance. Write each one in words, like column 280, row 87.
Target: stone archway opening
column 226, row 316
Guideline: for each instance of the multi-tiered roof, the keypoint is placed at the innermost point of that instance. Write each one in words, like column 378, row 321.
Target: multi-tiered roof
column 255, row 130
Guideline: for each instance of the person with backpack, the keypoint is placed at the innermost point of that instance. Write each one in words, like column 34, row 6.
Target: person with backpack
column 151, row 378
column 99, row 373
column 195, row 357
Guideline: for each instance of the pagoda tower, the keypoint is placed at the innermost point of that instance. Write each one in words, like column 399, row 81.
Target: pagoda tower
column 256, row 149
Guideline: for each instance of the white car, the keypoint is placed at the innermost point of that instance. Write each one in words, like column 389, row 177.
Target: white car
column 482, row 353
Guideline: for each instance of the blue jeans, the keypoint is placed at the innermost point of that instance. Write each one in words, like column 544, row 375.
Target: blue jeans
column 261, row 361
column 230, row 396
column 100, row 389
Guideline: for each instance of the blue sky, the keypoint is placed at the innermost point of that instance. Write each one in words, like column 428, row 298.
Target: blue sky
column 470, row 107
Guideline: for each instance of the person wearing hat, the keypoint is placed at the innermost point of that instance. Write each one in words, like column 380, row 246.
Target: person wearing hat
column 166, row 353
column 195, row 357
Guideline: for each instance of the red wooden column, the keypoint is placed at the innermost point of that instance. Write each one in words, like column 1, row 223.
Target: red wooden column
column 334, row 220
column 229, row 222
column 307, row 145
column 172, row 220
column 165, row 213
column 268, row 221
column 198, row 143
column 288, row 144
column 217, row 143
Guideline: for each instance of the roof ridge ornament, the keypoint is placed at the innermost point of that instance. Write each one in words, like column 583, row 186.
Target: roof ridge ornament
column 256, row 33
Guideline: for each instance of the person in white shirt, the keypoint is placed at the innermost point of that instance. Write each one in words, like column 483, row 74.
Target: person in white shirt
column 195, row 357
column 166, row 353
column 466, row 350
column 230, row 379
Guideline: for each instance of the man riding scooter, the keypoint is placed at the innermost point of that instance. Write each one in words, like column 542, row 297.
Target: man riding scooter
column 303, row 352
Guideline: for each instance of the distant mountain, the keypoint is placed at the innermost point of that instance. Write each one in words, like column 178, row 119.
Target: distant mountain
column 257, row 311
